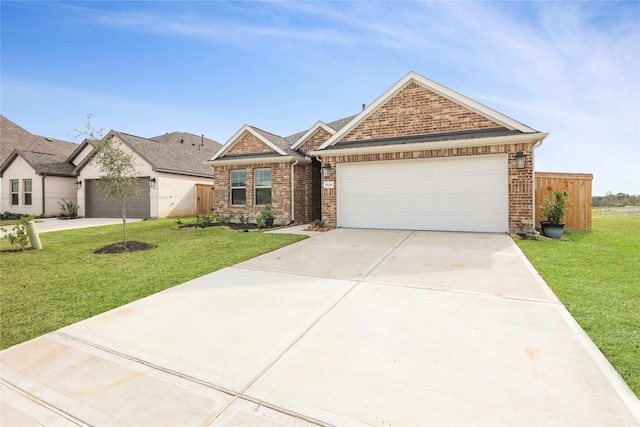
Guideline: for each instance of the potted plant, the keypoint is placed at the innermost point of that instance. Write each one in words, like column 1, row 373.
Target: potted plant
column 266, row 216
column 554, row 208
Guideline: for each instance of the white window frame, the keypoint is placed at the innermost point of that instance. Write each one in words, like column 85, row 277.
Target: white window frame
column 258, row 187
column 15, row 193
column 25, row 192
column 238, row 187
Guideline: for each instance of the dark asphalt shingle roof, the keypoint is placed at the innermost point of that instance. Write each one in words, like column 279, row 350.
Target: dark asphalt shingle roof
column 166, row 153
column 13, row 137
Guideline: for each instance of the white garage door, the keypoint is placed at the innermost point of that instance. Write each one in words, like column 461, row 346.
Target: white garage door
column 467, row 193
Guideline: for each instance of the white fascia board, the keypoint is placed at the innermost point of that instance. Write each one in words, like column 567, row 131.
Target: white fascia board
column 254, row 160
column 454, row 96
column 436, row 145
column 314, row 128
column 235, row 138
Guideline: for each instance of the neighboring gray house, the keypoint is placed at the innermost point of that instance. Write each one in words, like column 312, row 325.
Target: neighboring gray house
column 34, row 172
column 170, row 166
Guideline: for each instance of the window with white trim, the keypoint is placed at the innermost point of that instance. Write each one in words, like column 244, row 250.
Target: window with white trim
column 26, row 189
column 238, row 187
column 262, row 186
column 15, row 192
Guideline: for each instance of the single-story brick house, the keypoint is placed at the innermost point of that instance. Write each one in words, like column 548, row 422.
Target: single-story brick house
column 169, row 168
column 421, row 156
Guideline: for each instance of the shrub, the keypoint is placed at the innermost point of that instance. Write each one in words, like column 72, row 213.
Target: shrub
column 554, row 210
column 68, row 209
column 18, row 236
column 265, row 214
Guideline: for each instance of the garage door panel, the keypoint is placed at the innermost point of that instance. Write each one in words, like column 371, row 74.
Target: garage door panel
column 449, row 194
column 98, row 206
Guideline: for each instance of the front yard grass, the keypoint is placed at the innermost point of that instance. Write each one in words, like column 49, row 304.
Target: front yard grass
column 596, row 275
column 66, row 282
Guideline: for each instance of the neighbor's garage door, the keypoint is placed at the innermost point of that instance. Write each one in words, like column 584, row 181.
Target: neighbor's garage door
column 467, row 193
column 99, row 207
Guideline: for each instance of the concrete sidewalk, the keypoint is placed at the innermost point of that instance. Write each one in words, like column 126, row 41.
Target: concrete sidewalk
column 45, row 225
column 350, row 327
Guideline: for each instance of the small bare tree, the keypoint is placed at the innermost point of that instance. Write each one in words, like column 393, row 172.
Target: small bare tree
column 118, row 169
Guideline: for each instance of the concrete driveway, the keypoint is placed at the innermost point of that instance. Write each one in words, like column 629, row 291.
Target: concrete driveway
column 350, row 327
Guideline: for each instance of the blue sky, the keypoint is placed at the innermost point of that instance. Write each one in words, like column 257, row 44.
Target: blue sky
column 568, row 68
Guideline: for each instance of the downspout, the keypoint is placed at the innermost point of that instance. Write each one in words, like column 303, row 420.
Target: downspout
column 43, row 195
column 533, row 176
column 293, row 200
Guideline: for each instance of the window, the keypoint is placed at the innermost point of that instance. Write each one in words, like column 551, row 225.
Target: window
column 239, row 187
column 262, row 185
column 15, row 192
column 26, row 187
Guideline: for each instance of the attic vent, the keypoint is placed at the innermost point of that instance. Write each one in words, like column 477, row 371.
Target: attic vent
column 363, row 106
column 182, row 141
column 50, row 140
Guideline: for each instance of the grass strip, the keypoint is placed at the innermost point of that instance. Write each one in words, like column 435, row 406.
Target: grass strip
column 596, row 275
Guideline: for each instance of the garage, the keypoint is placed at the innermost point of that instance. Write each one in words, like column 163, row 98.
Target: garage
column 98, row 206
column 464, row 193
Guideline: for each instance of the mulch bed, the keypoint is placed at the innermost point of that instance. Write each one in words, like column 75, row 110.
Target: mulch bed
column 231, row 225
column 118, row 248
column 315, row 228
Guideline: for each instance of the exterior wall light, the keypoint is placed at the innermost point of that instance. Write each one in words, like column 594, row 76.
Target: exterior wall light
column 77, row 184
column 152, row 182
column 520, row 160
column 326, row 170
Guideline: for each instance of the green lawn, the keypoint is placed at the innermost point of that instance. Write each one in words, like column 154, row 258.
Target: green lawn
column 65, row 282
column 597, row 277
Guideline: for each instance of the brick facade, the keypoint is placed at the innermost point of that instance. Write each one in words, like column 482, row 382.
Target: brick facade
column 249, row 143
column 280, row 192
column 416, row 110
column 315, row 140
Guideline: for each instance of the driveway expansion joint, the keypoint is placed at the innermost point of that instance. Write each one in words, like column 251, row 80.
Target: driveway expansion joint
column 44, row 404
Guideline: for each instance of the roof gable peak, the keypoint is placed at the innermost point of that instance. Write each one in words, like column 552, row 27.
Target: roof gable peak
column 258, row 133
column 413, row 77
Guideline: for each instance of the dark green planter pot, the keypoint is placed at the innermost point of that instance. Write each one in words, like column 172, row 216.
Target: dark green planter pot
column 268, row 222
column 552, row 230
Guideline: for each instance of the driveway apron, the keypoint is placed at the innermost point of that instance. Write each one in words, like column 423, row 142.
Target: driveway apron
column 350, row 327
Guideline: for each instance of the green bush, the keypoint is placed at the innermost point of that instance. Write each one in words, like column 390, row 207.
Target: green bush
column 18, row 236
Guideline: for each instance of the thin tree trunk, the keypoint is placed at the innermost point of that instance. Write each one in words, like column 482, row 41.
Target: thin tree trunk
column 124, row 222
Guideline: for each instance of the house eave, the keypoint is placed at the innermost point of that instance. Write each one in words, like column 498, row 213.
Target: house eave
column 256, row 160
column 432, row 145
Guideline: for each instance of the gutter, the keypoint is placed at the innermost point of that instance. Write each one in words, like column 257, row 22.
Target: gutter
column 418, row 146
column 293, row 192
column 254, row 160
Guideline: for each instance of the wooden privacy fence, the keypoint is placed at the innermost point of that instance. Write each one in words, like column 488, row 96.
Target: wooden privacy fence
column 204, row 199
column 578, row 185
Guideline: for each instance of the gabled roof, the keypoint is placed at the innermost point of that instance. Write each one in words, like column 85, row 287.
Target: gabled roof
column 443, row 91
column 41, row 163
column 283, row 146
column 13, row 137
column 168, row 154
